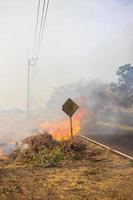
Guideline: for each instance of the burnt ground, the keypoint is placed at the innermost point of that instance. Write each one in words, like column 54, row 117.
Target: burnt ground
column 99, row 174
column 120, row 140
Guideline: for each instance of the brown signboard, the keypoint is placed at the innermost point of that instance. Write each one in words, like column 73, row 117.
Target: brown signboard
column 70, row 107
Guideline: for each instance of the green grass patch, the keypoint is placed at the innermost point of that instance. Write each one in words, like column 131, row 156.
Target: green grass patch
column 48, row 157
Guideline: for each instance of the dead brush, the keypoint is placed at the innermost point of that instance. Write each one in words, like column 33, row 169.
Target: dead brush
column 43, row 150
column 41, row 141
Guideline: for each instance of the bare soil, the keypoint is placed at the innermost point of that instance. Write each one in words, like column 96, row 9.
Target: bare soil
column 98, row 175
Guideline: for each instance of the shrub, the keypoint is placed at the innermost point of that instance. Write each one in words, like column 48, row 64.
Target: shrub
column 48, row 158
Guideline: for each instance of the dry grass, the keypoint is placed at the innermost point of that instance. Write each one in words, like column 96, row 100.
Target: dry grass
column 117, row 126
column 96, row 174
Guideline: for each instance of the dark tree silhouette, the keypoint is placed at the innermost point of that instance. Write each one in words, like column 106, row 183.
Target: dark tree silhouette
column 124, row 87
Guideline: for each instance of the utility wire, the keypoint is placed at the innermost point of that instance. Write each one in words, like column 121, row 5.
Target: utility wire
column 41, row 25
column 36, row 29
column 37, row 43
column 44, row 23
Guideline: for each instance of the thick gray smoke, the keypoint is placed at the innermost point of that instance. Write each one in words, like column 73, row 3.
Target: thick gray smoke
column 94, row 96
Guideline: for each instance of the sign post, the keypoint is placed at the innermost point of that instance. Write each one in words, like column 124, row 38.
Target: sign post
column 71, row 127
column 70, row 107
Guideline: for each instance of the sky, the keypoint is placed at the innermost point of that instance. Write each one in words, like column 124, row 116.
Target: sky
column 83, row 40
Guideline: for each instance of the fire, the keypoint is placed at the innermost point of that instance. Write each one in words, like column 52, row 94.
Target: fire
column 2, row 154
column 61, row 130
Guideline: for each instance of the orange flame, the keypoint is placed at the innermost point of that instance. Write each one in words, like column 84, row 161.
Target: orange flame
column 2, row 154
column 61, row 130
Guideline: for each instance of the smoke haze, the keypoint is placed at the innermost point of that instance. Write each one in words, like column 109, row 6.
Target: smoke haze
column 83, row 40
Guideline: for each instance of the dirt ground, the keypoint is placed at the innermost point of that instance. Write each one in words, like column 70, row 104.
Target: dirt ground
column 98, row 175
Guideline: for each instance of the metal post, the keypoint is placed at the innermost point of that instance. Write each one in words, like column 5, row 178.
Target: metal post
column 71, row 128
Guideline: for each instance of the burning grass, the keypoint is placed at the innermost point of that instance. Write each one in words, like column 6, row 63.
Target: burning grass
column 60, row 129
column 2, row 154
column 43, row 150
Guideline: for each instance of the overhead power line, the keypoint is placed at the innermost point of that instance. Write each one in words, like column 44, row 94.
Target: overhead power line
column 43, row 26
column 40, row 26
column 36, row 29
column 42, row 11
column 41, row 22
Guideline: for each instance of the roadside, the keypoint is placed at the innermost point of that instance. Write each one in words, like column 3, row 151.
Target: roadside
column 98, row 174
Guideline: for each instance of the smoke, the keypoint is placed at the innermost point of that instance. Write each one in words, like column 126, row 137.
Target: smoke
column 95, row 97
column 14, row 127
